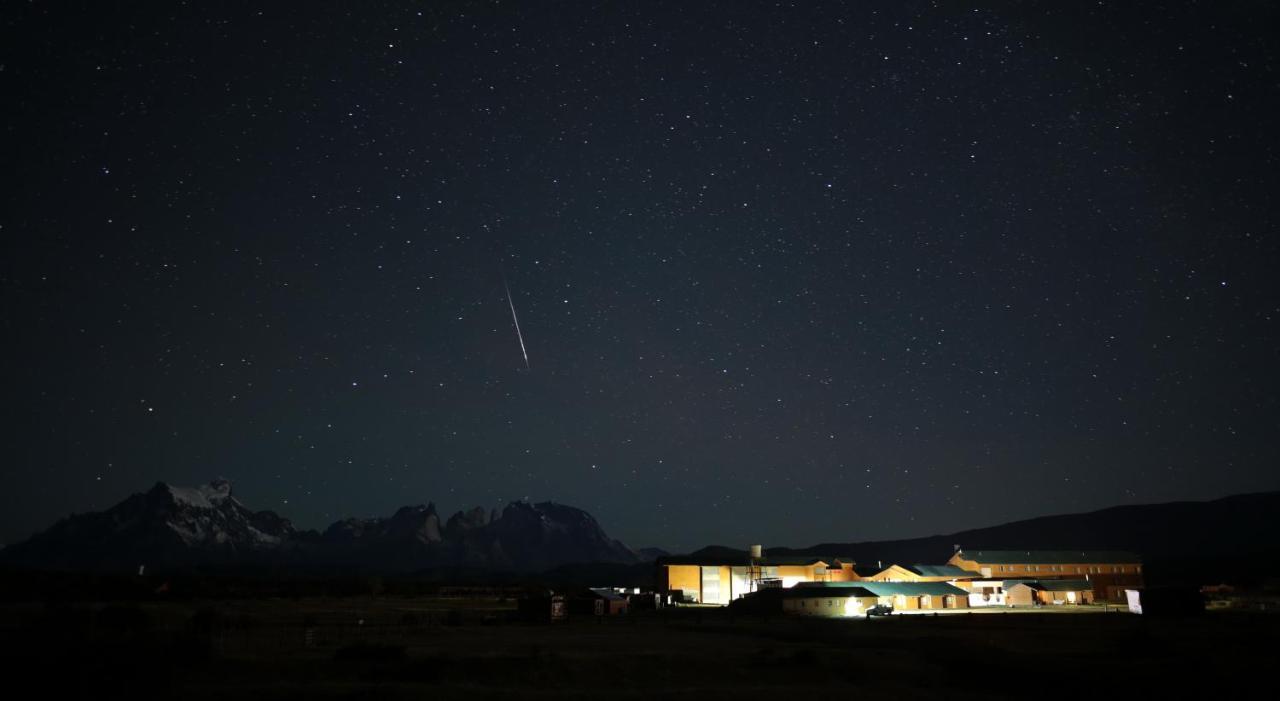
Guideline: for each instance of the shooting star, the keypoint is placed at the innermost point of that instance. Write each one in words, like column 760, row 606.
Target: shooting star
column 519, row 335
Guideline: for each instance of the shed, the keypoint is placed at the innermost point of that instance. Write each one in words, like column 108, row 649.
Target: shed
column 598, row 602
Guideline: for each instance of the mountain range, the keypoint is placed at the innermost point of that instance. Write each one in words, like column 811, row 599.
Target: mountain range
column 207, row 528
column 172, row 527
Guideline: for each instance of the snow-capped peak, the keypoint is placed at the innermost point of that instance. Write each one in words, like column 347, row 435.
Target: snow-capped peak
column 207, row 496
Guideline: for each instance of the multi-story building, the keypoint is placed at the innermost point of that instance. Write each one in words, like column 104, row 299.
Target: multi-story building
column 1110, row 572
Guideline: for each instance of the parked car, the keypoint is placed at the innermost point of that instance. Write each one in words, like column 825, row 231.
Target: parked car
column 879, row 610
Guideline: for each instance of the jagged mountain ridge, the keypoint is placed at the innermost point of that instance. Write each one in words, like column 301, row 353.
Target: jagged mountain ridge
column 173, row 525
column 522, row 537
column 169, row 526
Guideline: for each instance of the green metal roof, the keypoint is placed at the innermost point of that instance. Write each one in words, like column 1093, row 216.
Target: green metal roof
column 942, row 571
column 890, row 588
column 827, row 592
column 1058, row 584
column 1051, row 557
column 913, row 588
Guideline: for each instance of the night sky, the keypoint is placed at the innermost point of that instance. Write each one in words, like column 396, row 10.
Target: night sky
column 786, row 272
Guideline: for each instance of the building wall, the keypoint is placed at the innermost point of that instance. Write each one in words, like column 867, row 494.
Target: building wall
column 1023, row 595
column 1109, row 579
column 987, row 598
column 844, row 574
column 1062, row 597
column 901, row 602
column 1020, row 595
column 1047, row 570
column 953, row 601
column 790, row 574
column 893, row 573
column 1111, row 587
column 686, row 577
column 729, row 586
column 984, row 593
column 826, row 607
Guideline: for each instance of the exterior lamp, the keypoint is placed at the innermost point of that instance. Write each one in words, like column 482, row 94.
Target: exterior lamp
column 853, row 607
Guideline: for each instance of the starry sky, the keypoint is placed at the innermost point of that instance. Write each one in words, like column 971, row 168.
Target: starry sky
column 787, row 272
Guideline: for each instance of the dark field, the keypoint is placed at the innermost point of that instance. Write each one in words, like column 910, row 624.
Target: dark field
column 467, row 648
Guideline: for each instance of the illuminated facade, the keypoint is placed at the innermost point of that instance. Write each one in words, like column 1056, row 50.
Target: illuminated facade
column 719, row 580
column 970, row 578
column 900, row 596
column 1050, row 591
column 828, row 602
column 1109, row 572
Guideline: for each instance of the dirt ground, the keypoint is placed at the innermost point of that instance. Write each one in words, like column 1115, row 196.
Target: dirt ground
column 469, row 648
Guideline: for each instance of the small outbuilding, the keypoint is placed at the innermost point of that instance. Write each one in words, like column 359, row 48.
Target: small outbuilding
column 598, row 602
column 1049, row 592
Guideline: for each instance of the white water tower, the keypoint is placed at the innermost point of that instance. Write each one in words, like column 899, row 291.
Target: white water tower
column 755, row 572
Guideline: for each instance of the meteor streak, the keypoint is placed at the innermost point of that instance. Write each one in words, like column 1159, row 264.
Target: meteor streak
column 519, row 335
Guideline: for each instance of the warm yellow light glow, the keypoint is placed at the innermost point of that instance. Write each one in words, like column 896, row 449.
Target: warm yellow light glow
column 853, row 607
